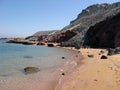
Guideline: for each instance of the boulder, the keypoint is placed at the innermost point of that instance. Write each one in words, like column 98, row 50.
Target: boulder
column 50, row 45
column 30, row 70
column 102, row 51
column 104, row 57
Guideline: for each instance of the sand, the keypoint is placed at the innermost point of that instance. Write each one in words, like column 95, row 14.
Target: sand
column 94, row 73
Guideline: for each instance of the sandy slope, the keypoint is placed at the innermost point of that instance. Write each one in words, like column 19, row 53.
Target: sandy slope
column 94, row 74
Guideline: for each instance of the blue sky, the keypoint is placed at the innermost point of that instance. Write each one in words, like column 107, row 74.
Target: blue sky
column 20, row 18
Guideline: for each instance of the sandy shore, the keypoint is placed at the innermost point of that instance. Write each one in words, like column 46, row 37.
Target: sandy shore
column 94, row 73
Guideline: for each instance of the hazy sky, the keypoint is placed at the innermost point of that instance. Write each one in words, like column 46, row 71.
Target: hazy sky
column 25, row 17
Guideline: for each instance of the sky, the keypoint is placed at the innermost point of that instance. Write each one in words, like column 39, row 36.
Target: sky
column 21, row 18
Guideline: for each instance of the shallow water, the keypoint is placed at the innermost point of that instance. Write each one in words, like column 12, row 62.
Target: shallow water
column 15, row 57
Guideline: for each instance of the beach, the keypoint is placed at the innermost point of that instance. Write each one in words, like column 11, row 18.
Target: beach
column 94, row 73
column 83, row 70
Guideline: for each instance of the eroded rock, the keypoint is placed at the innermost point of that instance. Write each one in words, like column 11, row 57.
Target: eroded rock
column 30, row 70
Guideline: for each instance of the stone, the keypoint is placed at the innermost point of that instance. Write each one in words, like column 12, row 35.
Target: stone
column 50, row 45
column 63, row 74
column 63, row 57
column 42, row 43
column 102, row 51
column 30, row 70
column 104, row 57
column 90, row 55
column 28, row 57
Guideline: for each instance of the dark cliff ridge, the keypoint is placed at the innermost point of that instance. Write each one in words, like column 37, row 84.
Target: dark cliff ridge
column 105, row 34
column 89, row 17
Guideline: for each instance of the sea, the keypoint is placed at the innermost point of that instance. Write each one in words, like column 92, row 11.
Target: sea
column 15, row 57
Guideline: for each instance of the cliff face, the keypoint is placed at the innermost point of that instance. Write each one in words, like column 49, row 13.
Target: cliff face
column 105, row 34
column 89, row 17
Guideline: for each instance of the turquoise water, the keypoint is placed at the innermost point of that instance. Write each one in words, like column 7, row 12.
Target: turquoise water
column 15, row 57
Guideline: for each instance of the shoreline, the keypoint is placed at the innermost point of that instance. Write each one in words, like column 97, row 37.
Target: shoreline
column 44, row 81
column 84, row 73
column 94, row 73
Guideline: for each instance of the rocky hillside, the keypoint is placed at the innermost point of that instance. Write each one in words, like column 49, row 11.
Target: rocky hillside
column 40, row 35
column 105, row 34
column 75, row 33
column 89, row 17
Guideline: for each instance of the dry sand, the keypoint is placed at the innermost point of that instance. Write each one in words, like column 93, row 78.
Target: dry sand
column 94, row 73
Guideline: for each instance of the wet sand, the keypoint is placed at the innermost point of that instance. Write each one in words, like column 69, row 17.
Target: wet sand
column 94, row 73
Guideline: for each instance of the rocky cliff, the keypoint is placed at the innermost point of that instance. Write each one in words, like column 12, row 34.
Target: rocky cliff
column 89, row 17
column 105, row 34
column 89, row 20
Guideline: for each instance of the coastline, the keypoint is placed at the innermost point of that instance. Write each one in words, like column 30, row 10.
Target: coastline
column 80, row 72
column 94, row 73
column 44, row 80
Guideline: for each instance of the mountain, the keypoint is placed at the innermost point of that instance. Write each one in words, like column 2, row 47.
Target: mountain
column 80, row 32
column 87, row 18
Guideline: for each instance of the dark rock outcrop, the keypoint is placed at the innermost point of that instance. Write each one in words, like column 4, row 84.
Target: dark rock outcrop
column 63, row 36
column 113, row 51
column 105, row 34
column 30, row 70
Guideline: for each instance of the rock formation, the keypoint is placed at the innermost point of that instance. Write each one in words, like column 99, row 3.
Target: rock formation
column 20, row 41
column 87, row 18
column 43, row 36
column 105, row 34
column 30, row 70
